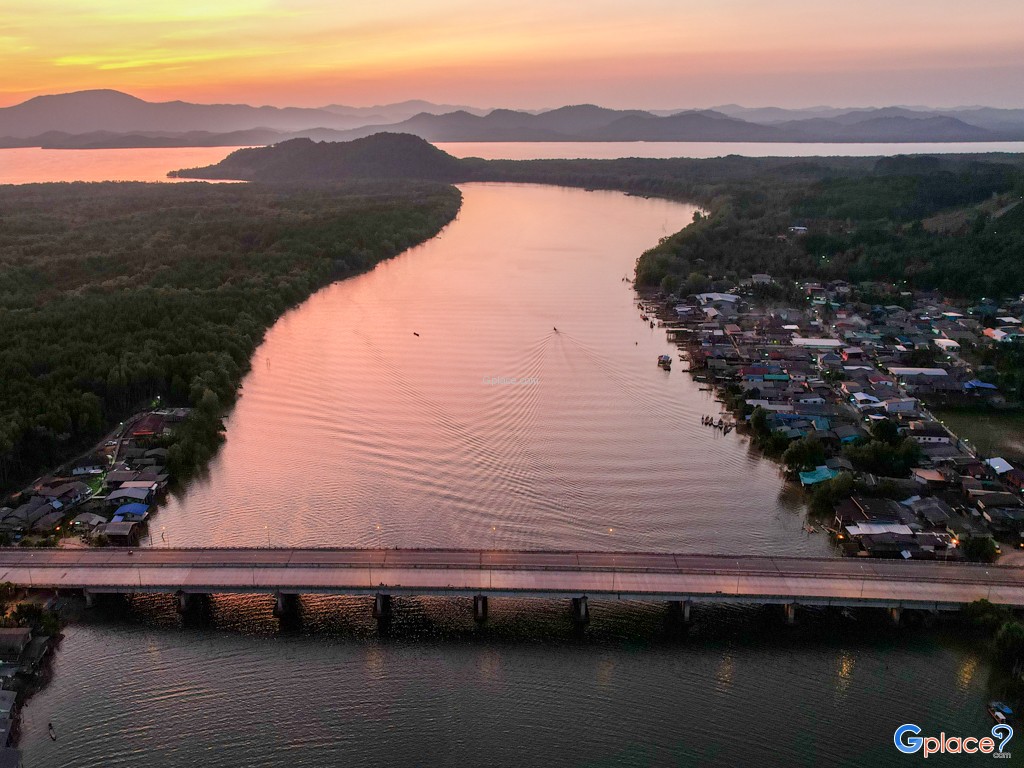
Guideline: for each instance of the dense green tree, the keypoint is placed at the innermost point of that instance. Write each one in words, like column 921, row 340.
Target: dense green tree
column 884, row 458
column 980, row 549
column 886, row 431
column 112, row 294
column 804, row 454
column 1010, row 641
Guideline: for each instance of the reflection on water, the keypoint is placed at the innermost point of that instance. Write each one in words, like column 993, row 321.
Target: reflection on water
column 845, row 672
column 138, row 685
column 494, row 387
column 965, row 672
column 352, row 430
column 30, row 165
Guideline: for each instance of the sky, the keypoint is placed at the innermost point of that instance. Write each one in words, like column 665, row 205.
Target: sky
column 657, row 54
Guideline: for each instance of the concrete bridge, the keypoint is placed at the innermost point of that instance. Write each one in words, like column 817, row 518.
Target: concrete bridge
column 681, row 580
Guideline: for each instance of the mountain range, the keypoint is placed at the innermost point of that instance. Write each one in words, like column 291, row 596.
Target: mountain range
column 106, row 118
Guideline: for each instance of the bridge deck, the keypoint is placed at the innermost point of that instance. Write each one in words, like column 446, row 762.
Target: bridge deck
column 615, row 575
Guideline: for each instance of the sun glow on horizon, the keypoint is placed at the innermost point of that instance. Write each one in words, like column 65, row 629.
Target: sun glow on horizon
column 652, row 53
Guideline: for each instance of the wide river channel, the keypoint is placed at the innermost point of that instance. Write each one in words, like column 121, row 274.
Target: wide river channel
column 494, row 387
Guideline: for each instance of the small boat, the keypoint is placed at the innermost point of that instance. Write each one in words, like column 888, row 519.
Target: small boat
column 999, row 711
column 652, row 323
column 53, row 733
column 665, row 361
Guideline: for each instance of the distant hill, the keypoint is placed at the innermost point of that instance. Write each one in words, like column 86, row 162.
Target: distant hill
column 683, row 126
column 382, row 156
column 108, row 110
column 887, row 127
column 98, row 119
column 401, row 110
column 591, row 123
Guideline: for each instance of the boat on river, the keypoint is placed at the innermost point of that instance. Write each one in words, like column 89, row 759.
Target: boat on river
column 665, row 361
column 999, row 711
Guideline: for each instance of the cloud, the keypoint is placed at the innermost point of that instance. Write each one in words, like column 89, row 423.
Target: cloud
column 601, row 50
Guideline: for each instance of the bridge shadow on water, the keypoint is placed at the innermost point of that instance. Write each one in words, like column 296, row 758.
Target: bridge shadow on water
column 450, row 621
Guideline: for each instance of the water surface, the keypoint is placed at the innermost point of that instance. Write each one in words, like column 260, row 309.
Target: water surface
column 354, row 430
column 742, row 690
column 433, row 403
column 31, row 164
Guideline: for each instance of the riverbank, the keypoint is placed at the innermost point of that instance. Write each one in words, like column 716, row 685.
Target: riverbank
column 214, row 266
column 591, row 436
column 205, row 683
column 827, row 386
column 30, row 633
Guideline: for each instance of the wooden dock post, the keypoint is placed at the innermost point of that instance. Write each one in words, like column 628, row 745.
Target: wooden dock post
column 90, row 598
column 895, row 614
column 789, row 610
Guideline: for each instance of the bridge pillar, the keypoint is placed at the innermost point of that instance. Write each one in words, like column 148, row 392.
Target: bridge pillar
column 185, row 602
column 895, row 614
column 580, row 611
column 90, row 598
column 382, row 608
column 286, row 605
column 679, row 610
column 789, row 610
column 191, row 601
column 480, row 608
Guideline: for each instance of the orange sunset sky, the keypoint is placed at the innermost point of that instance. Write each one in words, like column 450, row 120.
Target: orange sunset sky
column 531, row 53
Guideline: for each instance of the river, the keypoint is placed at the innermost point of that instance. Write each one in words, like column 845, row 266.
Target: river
column 31, row 164
column 382, row 412
column 353, row 430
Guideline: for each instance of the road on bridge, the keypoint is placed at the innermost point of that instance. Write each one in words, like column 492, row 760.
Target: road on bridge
column 615, row 575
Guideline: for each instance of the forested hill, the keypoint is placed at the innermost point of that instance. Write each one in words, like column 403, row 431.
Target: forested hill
column 933, row 222
column 112, row 294
column 946, row 223
column 381, row 156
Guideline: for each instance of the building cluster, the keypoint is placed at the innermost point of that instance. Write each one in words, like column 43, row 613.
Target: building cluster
column 22, row 653
column 107, row 493
column 832, row 367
